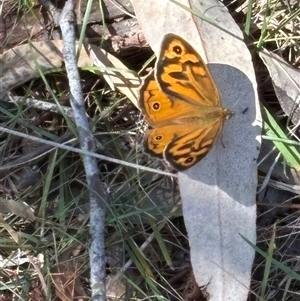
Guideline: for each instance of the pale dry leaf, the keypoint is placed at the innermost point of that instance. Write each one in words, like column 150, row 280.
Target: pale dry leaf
column 116, row 290
column 66, row 275
column 13, row 261
column 116, row 74
column 219, row 192
column 286, row 83
column 18, row 208
column 25, row 62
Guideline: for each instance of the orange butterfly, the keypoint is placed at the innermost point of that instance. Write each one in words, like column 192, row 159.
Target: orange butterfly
column 180, row 101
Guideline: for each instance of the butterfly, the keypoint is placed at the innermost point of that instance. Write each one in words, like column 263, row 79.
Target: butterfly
column 181, row 103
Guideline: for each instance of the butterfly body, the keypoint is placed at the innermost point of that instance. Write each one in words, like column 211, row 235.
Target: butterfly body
column 181, row 103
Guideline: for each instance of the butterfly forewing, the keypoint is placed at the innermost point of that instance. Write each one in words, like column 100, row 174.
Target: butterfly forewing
column 161, row 110
column 180, row 65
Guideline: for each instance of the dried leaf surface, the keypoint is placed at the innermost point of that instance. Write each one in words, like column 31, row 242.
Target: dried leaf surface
column 219, row 192
column 25, row 62
column 286, row 83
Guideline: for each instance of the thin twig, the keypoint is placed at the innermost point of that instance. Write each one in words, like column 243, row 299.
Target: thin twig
column 50, row 145
column 97, row 190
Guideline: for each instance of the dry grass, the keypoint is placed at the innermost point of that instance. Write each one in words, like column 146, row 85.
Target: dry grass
column 46, row 254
